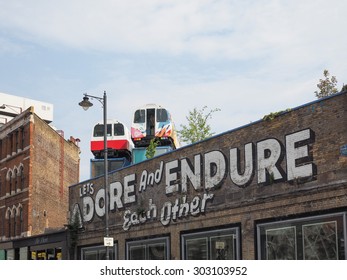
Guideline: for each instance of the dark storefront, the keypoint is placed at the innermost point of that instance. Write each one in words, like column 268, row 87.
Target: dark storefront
column 50, row 246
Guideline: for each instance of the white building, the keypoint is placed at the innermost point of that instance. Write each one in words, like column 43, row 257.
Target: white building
column 11, row 106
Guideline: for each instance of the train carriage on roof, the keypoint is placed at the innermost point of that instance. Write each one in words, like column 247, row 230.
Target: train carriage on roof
column 153, row 121
column 119, row 143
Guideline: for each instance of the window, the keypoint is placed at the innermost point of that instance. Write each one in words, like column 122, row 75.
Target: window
column 10, row 182
column 221, row 244
column 15, row 180
column 22, row 177
column 21, row 222
column 99, row 130
column 148, row 249
column 118, row 129
column 1, row 152
column 3, row 218
column 98, row 253
column 11, row 143
column 162, row 115
column 140, row 116
column 315, row 238
column 14, row 222
column 16, row 141
column 23, row 138
column 9, row 223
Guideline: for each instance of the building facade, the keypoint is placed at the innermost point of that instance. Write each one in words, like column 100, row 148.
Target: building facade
column 36, row 166
column 273, row 189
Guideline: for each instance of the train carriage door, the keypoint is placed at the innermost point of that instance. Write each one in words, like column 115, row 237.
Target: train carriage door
column 150, row 122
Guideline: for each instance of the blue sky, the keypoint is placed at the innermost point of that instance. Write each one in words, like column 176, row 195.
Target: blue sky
column 248, row 58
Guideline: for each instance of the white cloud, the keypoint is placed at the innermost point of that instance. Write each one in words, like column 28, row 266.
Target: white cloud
column 232, row 29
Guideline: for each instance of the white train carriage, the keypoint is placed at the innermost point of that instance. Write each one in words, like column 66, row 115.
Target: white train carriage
column 153, row 121
column 119, row 143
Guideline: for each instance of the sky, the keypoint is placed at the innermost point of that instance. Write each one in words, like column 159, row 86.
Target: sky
column 248, row 58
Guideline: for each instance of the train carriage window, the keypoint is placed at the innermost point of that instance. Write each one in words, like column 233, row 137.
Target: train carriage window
column 99, row 130
column 139, row 116
column 162, row 115
column 118, row 129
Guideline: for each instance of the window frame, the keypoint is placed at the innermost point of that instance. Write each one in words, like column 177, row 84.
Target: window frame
column 146, row 244
column 338, row 219
column 208, row 235
column 100, row 249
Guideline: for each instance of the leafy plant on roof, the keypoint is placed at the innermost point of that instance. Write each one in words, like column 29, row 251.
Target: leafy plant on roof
column 273, row 115
column 197, row 128
column 327, row 85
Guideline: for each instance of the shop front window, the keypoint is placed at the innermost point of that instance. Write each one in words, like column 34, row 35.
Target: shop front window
column 97, row 253
column 45, row 254
column 222, row 244
column 137, row 252
column 149, row 249
column 315, row 238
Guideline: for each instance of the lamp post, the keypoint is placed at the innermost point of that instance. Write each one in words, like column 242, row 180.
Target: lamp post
column 86, row 104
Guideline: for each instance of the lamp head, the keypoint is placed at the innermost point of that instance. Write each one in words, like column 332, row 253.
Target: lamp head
column 85, row 103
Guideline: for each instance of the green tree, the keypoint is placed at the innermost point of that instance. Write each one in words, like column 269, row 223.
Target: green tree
column 344, row 88
column 326, row 86
column 150, row 151
column 197, row 128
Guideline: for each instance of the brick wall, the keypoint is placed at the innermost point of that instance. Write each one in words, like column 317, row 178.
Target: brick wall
column 55, row 166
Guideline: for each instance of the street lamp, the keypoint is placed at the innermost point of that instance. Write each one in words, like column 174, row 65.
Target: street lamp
column 86, row 104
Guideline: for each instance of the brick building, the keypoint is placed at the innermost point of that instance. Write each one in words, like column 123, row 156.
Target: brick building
column 36, row 166
column 273, row 189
